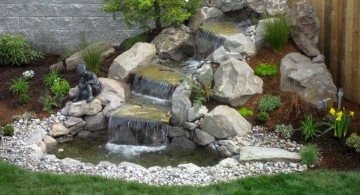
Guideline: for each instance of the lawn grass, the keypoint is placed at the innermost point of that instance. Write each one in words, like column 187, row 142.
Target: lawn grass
column 14, row 180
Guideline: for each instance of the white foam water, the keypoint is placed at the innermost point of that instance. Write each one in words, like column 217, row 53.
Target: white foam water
column 131, row 150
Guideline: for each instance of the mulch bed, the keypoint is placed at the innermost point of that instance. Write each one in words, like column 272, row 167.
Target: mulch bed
column 334, row 156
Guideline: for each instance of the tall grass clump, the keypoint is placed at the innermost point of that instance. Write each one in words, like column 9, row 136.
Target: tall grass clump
column 309, row 154
column 276, row 32
column 92, row 57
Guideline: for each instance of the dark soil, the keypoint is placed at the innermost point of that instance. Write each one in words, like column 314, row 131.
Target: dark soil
column 334, row 156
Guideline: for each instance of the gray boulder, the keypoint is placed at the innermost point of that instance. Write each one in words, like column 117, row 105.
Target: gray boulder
column 182, row 142
column 220, row 55
column 270, row 7
column 255, row 153
column 112, row 87
column 139, row 55
column 82, row 108
column 36, row 136
column 305, row 28
column 236, row 82
column 197, row 114
column 205, row 14
column 75, row 125
column 226, row 5
column 202, row 138
column 169, row 43
column 241, row 44
column 96, row 122
column 204, row 75
column 312, row 81
column 181, row 104
column 224, row 122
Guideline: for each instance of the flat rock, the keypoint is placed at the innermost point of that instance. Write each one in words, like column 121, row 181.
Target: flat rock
column 254, row 153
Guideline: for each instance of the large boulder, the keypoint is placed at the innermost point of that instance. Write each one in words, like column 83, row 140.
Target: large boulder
column 224, row 122
column 138, row 55
column 312, row 81
column 96, row 122
column 169, row 43
column 236, row 82
column 241, row 44
column 112, row 87
column 181, row 104
column 205, row 14
column 305, row 27
column 220, row 55
column 269, row 7
column 82, row 108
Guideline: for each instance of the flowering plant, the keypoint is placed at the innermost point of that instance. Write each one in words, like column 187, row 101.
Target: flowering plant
column 28, row 74
column 340, row 122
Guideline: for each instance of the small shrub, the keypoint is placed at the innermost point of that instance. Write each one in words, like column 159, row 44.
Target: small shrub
column 267, row 70
column 60, row 87
column 8, row 130
column 263, row 117
column 24, row 98
column 244, row 112
column 15, row 50
column 309, row 128
column 19, row 86
column 309, row 154
column 269, row 103
column 276, row 32
column 285, row 131
column 92, row 58
column 353, row 141
column 50, row 78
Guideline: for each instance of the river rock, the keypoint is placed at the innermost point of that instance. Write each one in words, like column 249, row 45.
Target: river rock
column 229, row 163
column 312, row 81
column 169, row 43
column 138, row 55
column 49, row 141
column 96, row 122
column 224, row 122
column 254, row 153
column 82, row 108
column 71, row 162
column 305, row 28
column 181, row 104
column 58, row 129
column 236, row 82
column 190, row 167
column 203, row 138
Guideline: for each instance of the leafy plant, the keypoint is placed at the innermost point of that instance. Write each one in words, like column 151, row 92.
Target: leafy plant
column 276, row 32
column 340, row 122
column 267, row 70
column 8, row 130
column 285, row 131
column 269, row 103
column 244, row 112
column 92, row 58
column 24, row 98
column 309, row 154
column 203, row 91
column 128, row 43
column 50, row 102
column 15, row 50
column 309, row 128
column 263, row 117
column 19, row 86
column 60, row 87
column 353, row 141
column 50, row 78
column 145, row 12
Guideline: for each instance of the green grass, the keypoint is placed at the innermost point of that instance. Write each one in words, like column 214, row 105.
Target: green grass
column 14, row 180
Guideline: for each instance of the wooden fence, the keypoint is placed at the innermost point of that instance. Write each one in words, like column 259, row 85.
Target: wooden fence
column 339, row 41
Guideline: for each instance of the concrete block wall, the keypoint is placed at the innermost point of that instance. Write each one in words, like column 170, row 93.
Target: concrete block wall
column 54, row 26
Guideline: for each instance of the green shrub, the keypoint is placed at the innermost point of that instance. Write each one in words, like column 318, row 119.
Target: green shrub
column 92, row 57
column 8, row 130
column 244, row 112
column 276, row 32
column 309, row 154
column 269, row 103
column 24, row 98
column 309, row 128
column 263, row 117
column 50, row 78
column 19, row 86
column 353, row 141
column 267, row 70
column 60, row 87
column 128, row 43
column 15, row 50
column 285, row 131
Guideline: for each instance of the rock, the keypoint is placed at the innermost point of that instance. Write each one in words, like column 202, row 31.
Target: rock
column 224, row 122
column 71, row 162
column 176, row 132
column 65, row 110
column 236, row 82
column 242, row 142
column 111, row 87
column 229, row 163
column 130, row 164
column 269, row 7
column 169, row 43
column 96, row 122
column 36, row 136
column 181, row 104
column 84, row 134
column 205, row 14
column 224, row 151
column 114, row 103
column 305, row 28
column 82, row 108
column 220, row 55
column 226, row 5
column 312, row 81
column 254, row 153
column 204, row 75
column 64, row 139
column 233, row 147
column 72, row 121
column 138, row 55
column 319, row 59
column 58, row 129
column 190, row 126
column 239, row 43
column 194, row 115
column 49, row 141
column 190, row 167
column 182, row 142
column 202, row 138
column 77, row 128
column 75, row 59
column 57, row 66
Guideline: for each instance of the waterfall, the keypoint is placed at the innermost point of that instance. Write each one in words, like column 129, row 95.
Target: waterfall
column 154, row 88
column 207, row 42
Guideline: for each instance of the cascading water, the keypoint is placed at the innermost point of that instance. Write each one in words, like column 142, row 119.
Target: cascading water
column 148, row 87
column 207, row 42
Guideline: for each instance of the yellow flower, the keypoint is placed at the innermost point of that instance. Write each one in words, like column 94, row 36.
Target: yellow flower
column 338, row 118
column 339, row 114
column 332, row 111
column 352, row 113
